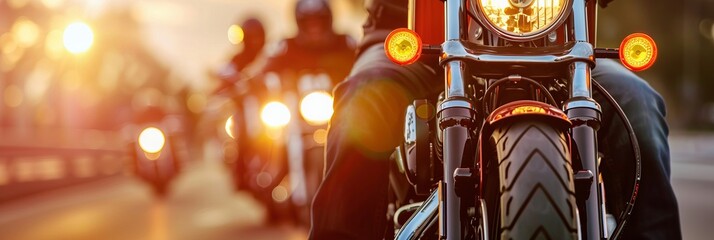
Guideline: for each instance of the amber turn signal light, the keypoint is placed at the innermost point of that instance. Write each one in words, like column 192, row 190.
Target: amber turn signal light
column 638, row 52
column 403, row 46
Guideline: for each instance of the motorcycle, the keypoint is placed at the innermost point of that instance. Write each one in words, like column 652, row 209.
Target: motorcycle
column 286, row 129
column 156, row 159
column 508, row 150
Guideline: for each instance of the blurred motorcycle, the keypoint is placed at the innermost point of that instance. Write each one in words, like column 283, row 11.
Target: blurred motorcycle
column 311, row 102
column 284, row 113
column 235, row 81
column 155, row 158
column 283, row 134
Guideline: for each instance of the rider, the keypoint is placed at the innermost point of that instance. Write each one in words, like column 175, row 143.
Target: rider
column 316, row 47
column 367, row 126
column 253, row 41
column 317, row 58
column 235, row 83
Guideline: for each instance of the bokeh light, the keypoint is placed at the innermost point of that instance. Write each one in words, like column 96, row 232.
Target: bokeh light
column 280, row 193
column 10, row 52
column 320, row 136
column 78, row 37
column 151, row 140
column 275, row 114
column 230, row 127
column 53, row 44
column 235, row 34
column 196, row 102
column 38, row 82
column 26, row 32
column 263, row 179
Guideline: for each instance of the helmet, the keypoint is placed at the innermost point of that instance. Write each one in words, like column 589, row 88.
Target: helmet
column 254, row 33
column 386, row 14
column 253, row 39
column 313, row 10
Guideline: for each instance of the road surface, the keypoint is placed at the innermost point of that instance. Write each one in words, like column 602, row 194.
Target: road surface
column 693, row 182
column 203, row 206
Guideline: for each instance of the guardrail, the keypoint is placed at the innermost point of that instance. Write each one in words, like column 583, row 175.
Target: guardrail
column 36, row 161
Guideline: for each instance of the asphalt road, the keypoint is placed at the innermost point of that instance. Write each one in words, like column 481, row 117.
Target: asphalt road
column 693, row 183
column 203, row 206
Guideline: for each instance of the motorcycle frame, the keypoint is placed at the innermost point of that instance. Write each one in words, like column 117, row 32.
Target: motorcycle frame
column 457, row 115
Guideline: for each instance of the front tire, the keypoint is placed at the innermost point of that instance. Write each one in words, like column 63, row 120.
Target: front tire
column 537, row 197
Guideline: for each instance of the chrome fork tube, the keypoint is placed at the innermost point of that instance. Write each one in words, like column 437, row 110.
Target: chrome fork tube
column 455, row 85
column 581, row 20
column 454, row 110
column 584, row 112
column 580, row 86
column 454, row 18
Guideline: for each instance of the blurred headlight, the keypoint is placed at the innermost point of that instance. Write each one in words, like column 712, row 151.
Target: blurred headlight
column 522, row 20
column 151, row 140
column 275, row 114
column 230, row 127
column 316, row 108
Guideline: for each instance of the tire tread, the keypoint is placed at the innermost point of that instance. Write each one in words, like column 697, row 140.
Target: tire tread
column 536, row 194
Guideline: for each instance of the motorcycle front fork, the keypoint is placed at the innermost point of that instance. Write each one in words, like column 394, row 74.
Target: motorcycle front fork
column 457, row 128
column 456, row 113
column 458, row 185
column 586, row 121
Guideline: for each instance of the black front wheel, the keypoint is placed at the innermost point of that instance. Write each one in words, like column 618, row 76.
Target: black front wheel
column 536, row 191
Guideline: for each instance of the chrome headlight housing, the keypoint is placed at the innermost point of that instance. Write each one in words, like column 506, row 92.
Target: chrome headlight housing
column 522, row 20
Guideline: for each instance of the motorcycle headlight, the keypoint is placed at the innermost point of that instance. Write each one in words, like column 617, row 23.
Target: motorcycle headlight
column 275, row 114
column 151, row 140
column 230, row 127
column 316, row 108
column 522, row 20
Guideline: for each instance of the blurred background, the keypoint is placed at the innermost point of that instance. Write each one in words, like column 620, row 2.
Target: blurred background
column 81, row 79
